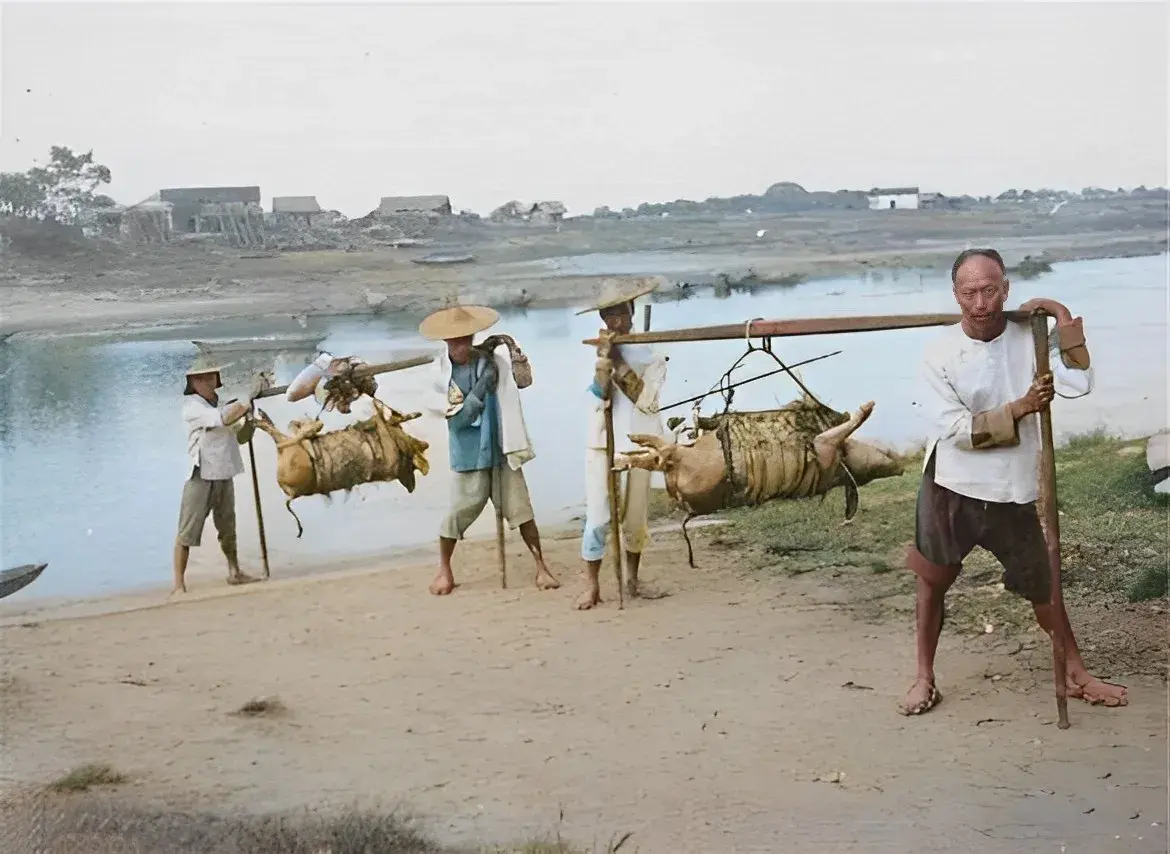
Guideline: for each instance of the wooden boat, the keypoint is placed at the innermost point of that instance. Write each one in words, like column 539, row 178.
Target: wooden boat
column 259, row 345
column 445, row 258
column 19, row 577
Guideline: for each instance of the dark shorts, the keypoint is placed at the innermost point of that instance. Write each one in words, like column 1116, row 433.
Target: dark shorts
column 948, row 526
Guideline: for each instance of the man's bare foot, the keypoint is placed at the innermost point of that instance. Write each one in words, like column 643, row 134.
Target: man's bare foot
column 177, row 592
column 921, row 698
column 1096, row 692
column 591, row 598
column 241, row 578
column 443, row 584
column 545, row 580
column 640, row 590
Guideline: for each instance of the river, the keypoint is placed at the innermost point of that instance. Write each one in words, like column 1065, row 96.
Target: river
column 93, row 455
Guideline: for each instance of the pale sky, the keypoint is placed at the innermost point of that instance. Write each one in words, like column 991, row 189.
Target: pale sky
column 590, row 104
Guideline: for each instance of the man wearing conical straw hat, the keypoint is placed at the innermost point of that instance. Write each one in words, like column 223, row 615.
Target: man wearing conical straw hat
column 487, row 438
column 636, row 374
column 214, row 433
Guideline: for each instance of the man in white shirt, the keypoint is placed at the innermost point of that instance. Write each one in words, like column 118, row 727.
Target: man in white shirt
column 214, row 433
column 981, row 473
column 628, row 380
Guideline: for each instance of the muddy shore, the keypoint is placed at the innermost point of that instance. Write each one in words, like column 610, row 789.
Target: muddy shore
column 111, row 288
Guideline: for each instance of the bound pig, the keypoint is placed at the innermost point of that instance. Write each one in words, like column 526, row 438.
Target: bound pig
column 743, row 459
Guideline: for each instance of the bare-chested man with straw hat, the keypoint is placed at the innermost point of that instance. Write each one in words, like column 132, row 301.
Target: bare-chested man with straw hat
column 488, row 441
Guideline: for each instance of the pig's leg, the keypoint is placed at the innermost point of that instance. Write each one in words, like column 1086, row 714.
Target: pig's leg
column 830, row 443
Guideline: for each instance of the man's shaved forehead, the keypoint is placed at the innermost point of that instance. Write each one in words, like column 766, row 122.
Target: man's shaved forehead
column 982, row 257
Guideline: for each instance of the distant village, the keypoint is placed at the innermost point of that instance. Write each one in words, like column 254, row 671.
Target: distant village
column 236, row 215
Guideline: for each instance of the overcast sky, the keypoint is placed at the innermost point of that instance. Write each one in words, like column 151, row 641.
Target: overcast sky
column 590, row 104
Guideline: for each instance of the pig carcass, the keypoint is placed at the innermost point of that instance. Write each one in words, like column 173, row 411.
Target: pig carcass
column 743, row 459
column 309, row 462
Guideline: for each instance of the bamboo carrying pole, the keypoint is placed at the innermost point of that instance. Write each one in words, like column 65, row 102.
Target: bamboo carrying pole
column 791, row 328
column 1050, row 519
column 364, row 371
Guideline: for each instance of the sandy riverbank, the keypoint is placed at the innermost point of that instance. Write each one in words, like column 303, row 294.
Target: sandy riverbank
column 760, row 712
column 114, row 289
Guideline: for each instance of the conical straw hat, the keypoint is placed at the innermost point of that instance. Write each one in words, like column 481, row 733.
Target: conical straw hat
column 458, row 321
column 615, row 291
column 204, row 364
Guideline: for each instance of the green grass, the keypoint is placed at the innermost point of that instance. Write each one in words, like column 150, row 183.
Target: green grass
column 1114, row 528
column 87, row 777
column 102, row 825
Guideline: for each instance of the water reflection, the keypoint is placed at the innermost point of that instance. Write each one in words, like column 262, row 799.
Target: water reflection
column 92, row 447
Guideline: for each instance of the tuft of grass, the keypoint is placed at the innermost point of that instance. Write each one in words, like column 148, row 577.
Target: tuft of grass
column 353, row 831
column 262, row 706
column 87, row 777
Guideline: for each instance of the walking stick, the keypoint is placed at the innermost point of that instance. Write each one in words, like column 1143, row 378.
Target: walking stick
column 619, row 569
column 501, row 553
column 259, row 511
column 1050, row 521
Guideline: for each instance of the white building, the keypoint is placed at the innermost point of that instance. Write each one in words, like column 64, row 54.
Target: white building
column 893, row 198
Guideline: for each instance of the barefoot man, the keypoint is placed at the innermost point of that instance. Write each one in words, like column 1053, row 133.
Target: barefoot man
column 980, row 479
column 635, row 374
column 214, row 435
column 488, row 441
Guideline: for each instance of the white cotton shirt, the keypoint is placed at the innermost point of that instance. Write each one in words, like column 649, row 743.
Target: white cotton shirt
column 628, row 417
column 962, row 377
column 211, row 445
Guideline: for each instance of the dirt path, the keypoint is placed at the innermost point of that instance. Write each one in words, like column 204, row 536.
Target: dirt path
column 716, row 719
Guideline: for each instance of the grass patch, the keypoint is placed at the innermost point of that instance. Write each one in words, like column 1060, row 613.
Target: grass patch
column 1114, row 528
column 98, row 825
column 87, row 777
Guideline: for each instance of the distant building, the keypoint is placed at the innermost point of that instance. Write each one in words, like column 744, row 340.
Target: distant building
column 188, row 202
column 295, row 205
column 392, row 205
column 893, row 198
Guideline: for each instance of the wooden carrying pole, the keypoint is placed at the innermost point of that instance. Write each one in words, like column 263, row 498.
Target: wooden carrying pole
column 790, row 328
column 1050, row 520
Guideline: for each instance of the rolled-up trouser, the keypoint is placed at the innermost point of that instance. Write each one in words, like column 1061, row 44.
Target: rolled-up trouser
column 635, row 507
column 202, row 498
column 471, row 491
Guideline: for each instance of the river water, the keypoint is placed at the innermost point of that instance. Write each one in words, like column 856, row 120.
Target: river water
column 93, row 450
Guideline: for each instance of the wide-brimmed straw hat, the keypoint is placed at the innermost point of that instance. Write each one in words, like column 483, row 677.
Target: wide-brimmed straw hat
column 457, row 321
column 617, row 291
column 204, row 364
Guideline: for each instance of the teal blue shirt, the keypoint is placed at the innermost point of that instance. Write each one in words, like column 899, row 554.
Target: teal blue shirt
column 475, row 429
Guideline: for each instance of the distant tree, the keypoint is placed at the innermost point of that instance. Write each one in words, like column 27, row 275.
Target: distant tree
column 20, row 194
column 59, row 190
column 70, row 181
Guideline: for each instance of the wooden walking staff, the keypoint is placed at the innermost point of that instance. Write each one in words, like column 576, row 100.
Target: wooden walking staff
column 614, row 484
column 1050, row 521
column 259, row 510
column 501, row 551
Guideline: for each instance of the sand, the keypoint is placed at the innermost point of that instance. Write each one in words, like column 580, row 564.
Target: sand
column 739, row 713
